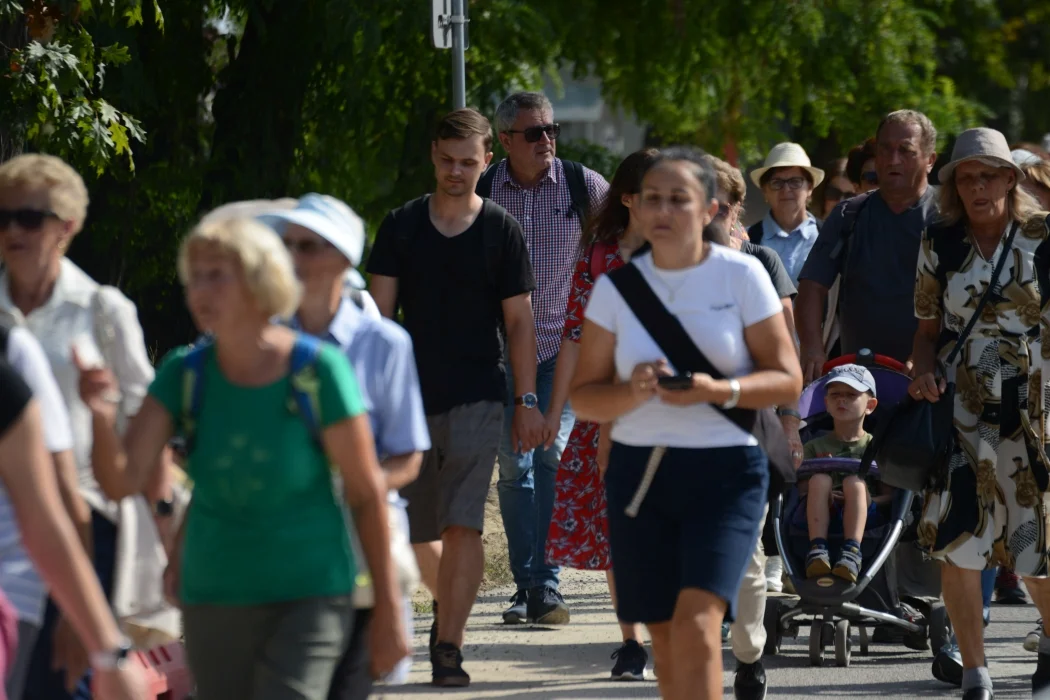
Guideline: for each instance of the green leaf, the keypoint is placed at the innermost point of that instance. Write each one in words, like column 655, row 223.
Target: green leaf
column 115, row 54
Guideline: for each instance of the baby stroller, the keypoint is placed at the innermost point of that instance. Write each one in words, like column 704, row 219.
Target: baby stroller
column 832, row 606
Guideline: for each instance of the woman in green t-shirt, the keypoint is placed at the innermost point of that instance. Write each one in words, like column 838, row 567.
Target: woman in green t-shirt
column 266, row 568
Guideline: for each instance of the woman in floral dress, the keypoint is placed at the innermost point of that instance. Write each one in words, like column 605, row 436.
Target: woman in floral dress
column 990, row 508
column 579, row 532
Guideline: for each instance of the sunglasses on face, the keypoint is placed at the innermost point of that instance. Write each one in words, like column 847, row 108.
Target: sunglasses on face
column 307, row 247
column 871, row 177
column 535, row 133
column 792, row 183
column 29, row 219
column 834, row 193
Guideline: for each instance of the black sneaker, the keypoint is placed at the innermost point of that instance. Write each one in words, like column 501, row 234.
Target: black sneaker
column 446, row 662
column 750, row 683
column 547, row 607
column 518, row 612
column 1041, row 678
column 630, row 662
column 434, row 628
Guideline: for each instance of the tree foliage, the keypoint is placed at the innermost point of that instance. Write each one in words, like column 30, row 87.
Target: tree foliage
column 171, row 107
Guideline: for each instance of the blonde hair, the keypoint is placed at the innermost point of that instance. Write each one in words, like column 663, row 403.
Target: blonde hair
column 728, row 178
column 1019, row 204
column 1038, row 172
column 66, row 189
column 265, row 262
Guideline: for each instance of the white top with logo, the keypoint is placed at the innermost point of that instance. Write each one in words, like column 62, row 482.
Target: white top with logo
column 715, row 301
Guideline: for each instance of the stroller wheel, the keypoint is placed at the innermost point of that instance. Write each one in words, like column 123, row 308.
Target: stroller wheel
column 816, row 643
column 843, row 644
column 865, row 640
column 774, row 630
column 939, row 628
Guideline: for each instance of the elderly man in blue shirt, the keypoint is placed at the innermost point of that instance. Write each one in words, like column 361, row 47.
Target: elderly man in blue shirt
column 326, row 239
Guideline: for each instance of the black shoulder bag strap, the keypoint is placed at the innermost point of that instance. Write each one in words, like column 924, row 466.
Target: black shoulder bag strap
column 484, row 188
column 755, row 232
column 681, row 351
column 880, row 432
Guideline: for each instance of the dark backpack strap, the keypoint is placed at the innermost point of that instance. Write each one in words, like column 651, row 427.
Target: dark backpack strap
column 599, row 249
column 850, row 216
column 484, row 188
column 755, row 232
column 578, row 193
column 193, row 365
column 493, row 224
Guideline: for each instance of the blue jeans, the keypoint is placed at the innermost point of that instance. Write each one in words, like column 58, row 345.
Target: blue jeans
column 526, row 488
column 42, row 682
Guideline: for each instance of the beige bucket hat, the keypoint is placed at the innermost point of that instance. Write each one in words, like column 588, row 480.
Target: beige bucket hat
column 787, row 155
column 982, row 144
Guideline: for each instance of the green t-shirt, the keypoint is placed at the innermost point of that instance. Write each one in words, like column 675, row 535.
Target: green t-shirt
column 265, row 524
column 830, row 446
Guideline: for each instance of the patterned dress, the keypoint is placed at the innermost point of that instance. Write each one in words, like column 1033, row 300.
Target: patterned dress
column 579, row 532
column 993, row 507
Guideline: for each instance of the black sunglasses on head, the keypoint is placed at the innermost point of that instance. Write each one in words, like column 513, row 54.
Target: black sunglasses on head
column 29, row 219
column 535, row 133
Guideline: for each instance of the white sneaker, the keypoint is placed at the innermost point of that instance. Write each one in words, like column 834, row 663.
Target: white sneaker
column 1031, row 641
column 774, row 575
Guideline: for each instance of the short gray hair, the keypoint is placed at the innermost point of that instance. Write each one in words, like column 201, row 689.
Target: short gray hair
column 507, row 112
column 928, row 133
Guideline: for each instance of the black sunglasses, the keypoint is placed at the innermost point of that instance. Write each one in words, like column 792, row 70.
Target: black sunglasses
column 535, row 133
column 871, row 177
column 29, row 219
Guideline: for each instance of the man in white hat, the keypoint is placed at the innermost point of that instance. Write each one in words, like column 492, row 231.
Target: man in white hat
column 787, row 180
column 872, row 241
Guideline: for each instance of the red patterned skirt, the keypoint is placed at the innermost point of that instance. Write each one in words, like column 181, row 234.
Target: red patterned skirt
column 579, row 532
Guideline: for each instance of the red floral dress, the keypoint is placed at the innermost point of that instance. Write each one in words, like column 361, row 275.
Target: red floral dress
column 579, row 532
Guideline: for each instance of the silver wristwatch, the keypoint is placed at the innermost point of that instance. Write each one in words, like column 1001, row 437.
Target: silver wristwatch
column 734, row 396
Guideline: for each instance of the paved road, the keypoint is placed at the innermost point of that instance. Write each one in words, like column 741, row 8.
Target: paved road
column 572, row 663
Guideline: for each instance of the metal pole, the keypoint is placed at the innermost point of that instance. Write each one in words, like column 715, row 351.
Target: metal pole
column 459, row 69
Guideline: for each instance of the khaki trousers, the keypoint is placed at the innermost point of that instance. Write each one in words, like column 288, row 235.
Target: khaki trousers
column 748, row 632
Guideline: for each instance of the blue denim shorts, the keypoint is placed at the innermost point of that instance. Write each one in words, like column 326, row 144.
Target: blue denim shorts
column 697, row 527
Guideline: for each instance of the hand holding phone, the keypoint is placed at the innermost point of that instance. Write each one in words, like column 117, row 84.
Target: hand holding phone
column 677, row 382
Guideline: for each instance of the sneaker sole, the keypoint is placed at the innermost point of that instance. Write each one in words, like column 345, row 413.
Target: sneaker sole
column 844, row 574
column 450, row 682
column 946, row 671
column 514, row 619
column 558, row 616
column 817, row 569
column 1018, row 599
column 1031, row 643
column 629, row 676
column 756, row 697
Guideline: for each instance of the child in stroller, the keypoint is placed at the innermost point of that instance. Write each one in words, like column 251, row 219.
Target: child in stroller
column 841, row 501
column 833, row 604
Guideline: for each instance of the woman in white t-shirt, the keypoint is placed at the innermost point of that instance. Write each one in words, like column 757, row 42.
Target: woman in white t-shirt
column 679, row 562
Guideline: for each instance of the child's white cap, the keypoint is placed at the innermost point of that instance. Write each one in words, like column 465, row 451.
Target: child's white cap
column 853, row 376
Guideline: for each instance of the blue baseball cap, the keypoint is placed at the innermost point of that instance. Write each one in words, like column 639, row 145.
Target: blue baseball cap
column 853, row 376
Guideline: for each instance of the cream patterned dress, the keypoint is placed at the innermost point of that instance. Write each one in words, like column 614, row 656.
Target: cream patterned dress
column 992, row 506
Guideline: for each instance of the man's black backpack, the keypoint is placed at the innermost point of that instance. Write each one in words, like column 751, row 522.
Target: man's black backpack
column 574, row 178
column 409, row 219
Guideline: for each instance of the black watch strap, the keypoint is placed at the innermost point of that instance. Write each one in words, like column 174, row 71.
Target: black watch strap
column 789, row 412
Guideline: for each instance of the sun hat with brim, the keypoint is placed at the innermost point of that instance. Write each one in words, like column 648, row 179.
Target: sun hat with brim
column 1023, row 157
column 329, row 218
column 787, row 155
column 984, row 145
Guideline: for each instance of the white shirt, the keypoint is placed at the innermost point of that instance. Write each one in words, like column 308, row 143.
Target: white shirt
column 18, row 578
column 68, row 313
column 715, row 301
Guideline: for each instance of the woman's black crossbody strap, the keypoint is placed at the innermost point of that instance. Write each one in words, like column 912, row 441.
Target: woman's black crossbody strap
column 984, row 298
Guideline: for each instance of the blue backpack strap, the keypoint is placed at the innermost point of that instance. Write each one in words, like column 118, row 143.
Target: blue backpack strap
column 192, row 392
column 304, row 385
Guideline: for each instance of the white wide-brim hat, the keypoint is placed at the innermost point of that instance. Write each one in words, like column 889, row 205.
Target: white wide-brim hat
column 328, row 217
column 787, row 155
column 981, row 144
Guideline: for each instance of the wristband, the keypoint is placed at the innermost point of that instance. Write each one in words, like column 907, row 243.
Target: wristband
column 112, row 659
column 789, row 412
column 734, row 395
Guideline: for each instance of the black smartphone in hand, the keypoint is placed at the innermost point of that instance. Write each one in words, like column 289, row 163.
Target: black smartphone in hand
column 678, row 382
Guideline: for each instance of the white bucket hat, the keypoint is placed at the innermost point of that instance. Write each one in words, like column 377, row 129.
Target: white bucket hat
column 787, row 155
column 328, row 217
column 981, row 144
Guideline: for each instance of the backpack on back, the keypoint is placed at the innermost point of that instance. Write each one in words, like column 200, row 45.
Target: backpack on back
column 574, row 178
column 304, row 388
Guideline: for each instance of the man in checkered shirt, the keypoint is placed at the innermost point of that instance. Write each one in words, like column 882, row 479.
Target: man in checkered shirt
column 532, row 185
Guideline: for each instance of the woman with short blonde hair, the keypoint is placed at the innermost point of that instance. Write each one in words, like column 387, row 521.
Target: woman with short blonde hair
column 265, row 568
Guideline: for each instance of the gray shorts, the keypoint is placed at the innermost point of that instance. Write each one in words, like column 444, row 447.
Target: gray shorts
column 457, row 470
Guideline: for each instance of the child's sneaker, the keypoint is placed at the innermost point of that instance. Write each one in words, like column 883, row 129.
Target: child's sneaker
column 818, row 563
column 847, row 567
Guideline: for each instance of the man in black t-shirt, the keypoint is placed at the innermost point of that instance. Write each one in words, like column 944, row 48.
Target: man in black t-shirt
column 458, row 267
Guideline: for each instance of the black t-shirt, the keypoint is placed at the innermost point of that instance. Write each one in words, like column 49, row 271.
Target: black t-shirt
column 450, row 290
column 774, row 266
column 14, row 395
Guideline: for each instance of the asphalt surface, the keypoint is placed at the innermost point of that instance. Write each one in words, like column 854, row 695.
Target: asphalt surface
column 572, row 662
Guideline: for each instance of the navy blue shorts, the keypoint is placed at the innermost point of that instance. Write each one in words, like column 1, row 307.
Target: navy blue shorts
column 697, row 528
